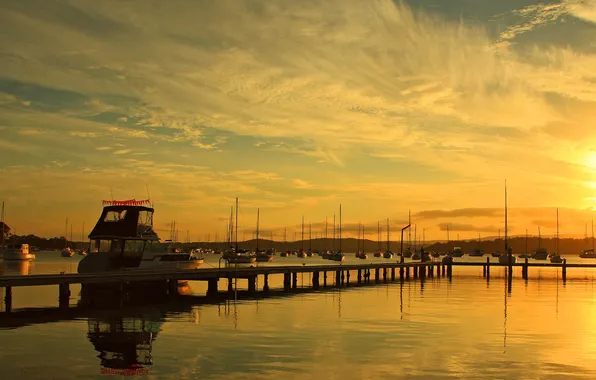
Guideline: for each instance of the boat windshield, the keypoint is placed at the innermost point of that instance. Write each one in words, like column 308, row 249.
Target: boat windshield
column 134, row 246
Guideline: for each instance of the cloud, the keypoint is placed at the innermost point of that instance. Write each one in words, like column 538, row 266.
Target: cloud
column 460, row 227
column 460, row 213
column 583, row 9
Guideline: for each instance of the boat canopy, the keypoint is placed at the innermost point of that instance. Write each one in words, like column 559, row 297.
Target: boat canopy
column 125, row 221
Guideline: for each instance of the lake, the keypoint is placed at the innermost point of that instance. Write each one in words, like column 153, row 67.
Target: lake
column 464, row 328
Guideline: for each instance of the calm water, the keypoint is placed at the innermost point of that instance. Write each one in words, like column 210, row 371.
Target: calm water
column 466, row 328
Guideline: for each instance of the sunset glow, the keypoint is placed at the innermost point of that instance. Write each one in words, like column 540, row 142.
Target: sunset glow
column 298, row 106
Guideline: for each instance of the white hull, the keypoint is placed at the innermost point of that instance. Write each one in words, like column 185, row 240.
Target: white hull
column 11, row 256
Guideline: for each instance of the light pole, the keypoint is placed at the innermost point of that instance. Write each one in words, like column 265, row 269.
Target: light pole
column 401, row 249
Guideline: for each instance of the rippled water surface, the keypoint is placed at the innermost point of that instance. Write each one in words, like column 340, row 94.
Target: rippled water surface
column 464, row 328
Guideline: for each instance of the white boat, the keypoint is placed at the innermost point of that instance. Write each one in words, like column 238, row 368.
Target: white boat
column 17, row 252
column 125, row 240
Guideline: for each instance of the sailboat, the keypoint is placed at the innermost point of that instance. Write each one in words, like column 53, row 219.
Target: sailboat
column 302, row 253
column 477, row 252
column 66, row 252
column 556, row 258
column 239, row 256
column 379, row 251
column 309, row 253
column 361, row 254
column 589, row 253
column 338, row 256
column 262, row 257
column 507, row 257
column 388, row 254
column 540, row 253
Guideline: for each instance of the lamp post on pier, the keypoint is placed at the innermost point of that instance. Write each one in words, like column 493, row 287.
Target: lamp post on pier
column 401, row 249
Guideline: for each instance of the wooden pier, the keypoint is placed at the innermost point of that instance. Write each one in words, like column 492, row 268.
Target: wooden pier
column 340, row 276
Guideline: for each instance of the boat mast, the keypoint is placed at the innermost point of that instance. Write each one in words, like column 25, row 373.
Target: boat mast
column 310, row 236
column 66, row 235
column 325, row 234
column 388, row 235
column 302, row 239
column 340, row 228
column 409, row 231
column 257, row 231
column 334, row 233
column 539, row 237
column 506, row 248
column 526, row 241
column 557, row 245
column 236, row 225
column 379, row 235
column 358, row 239
column 363, row 250
column 592, row 235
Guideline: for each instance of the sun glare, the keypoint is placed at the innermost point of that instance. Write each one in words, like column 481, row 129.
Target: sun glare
column 591, row 160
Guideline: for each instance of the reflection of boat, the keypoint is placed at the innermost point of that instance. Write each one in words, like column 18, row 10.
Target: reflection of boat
column 124, row 342
column 17, row 252
column 21, row 268
column 125, row 240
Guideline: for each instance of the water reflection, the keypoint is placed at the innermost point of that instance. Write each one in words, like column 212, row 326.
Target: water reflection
column 125, row 342
column 16, row 268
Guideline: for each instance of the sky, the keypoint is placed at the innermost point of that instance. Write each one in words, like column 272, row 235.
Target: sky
column 296, row 107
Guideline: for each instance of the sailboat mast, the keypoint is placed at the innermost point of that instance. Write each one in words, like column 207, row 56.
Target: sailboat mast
column 506, row 248
column 66, row 235
column 526, row 241
column 302, row 239
column 557, row 246
column 358, row 240
column 410, row 231
column 236, row 225
column 379, row 235
column 388, row 235
column 257, row 231
column 592, row 234
column 333, row 232
column 363, row 250
column 310, row 236
column 325, row 234
column 539, row 236
column 340, row 228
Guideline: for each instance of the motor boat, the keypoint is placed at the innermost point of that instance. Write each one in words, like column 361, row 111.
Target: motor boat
column 123, row 239
column 17, row 252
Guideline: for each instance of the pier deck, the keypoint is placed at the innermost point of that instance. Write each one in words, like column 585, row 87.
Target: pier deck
column 384, row 271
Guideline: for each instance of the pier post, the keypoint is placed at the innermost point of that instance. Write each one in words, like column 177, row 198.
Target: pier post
column 401, row 273
column 443, row 267
column 287, row 282
column 415, row 272
column 377, row 276
column 315, row 280
column 8, row 299
column 359, row 277
column 431, row 269
column 325, row 278
column 422, row 270
column 449, row 271
column 384, row 274
column 348, row 277
column 211, row 286
column 230, row 285
column 338, row 278
column 407, row 273
column 63, row 295
column 564, row 270
column 487, row 268
column 393, row 274
column 525, row 269
column 266, row 283
column 294, row 280
column 172, row 288
column 252, row 284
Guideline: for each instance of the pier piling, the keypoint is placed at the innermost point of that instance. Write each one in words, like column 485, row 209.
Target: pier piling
column 359, row 276
column 384, row 274
column 294, row 280
column 315, row 280
column 63, row 295
column 338, row 278
column 287, row 282
column 211, row 286
column 252, row 284
column 348, row 277
column 8, row 299
column 230, row 285
column 325, row 278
